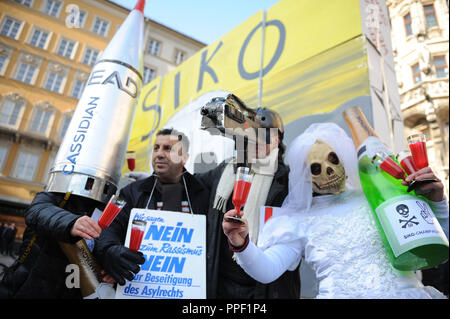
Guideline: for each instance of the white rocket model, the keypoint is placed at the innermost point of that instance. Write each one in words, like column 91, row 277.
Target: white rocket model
column 90, row 158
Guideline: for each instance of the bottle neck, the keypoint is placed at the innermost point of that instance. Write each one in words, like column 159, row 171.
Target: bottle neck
column 358, row 124
column 89, row 271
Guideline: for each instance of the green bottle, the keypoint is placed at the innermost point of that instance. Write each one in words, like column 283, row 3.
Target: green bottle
column 409, row 230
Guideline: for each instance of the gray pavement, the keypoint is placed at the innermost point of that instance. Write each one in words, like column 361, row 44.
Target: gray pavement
column 7, row 261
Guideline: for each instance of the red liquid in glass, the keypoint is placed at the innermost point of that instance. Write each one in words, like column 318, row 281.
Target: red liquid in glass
column 419, row 154
column 108, row 215
column 131, row 163
column 136, row 238
column 240, row 193
column 408, row 165
column 390, row 167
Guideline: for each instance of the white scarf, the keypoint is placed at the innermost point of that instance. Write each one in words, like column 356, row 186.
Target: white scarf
column 264, row 170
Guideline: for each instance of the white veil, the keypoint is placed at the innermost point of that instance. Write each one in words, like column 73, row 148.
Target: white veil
column 300, row 180
column 286, row 226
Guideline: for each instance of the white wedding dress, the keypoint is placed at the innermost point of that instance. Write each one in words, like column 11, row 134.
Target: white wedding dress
column 338, row 237
column 336, row 234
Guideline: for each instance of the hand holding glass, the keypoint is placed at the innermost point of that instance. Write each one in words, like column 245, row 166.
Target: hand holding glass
column 110, row 212
column 241, row 189
column 137, row 233
column 417, row 145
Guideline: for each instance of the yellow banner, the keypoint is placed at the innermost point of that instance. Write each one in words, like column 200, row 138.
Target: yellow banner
column 302, row 43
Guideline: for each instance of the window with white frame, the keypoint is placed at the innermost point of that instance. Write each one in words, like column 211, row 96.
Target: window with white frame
column 154, row 47
column 3, row 62
column 10, row 27
column 4, row 150
column 79, row 82
column 100, row 26
column 417, row 77
column 26, row 73
column 27, row 68
column 440, row 66
column 180, row 56
column 82, row 16
column 39, row 38
column 42, row 119
column 64, row 124
column 149, row 74
column 27, row 163
column 56, row 78
column 430, row 16
column 78, row 87
column 90, row 56
column 407, row 21
column 54, row 82
column 52, row 7
column 5, row 56
column 26, row 3
column 48, row 166
column 12, row 107
column 66, row 48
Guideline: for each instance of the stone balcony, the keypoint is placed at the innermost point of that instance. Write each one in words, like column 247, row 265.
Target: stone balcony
column 415, row 100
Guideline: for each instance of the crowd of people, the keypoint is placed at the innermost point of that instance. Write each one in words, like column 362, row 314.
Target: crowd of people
column 8, row 233
column 240, row 263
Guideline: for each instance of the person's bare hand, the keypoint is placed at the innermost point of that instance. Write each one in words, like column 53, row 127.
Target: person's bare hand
column 434, row 191
column 107, row 278
column 85, row 227
column 236, row 232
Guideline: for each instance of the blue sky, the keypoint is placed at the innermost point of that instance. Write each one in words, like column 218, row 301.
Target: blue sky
column 203, row 20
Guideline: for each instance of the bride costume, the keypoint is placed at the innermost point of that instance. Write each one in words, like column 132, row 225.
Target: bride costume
column 336, row 234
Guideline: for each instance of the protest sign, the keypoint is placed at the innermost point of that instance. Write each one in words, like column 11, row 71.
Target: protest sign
column 174, row 247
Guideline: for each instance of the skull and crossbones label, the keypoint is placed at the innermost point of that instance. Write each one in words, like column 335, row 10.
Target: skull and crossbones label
column 403, row 210
column 406, row 220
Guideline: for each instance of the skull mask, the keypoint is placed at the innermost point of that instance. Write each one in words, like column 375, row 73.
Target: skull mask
column 328, row 174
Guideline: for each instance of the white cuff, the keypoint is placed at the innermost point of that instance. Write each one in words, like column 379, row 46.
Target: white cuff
column 248, row 255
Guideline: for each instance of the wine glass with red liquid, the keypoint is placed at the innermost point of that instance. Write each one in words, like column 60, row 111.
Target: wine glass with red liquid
column 241, row 189
column 137, row 234
column 418, row 147
column 111, row 210
column 131, row 160
column 406, row 161
column 387, row 164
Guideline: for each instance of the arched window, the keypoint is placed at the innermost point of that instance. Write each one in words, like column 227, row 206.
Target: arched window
column 12, row 107
column 42, row 118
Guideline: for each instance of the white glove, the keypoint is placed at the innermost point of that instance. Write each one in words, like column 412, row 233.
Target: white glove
column 137, row 175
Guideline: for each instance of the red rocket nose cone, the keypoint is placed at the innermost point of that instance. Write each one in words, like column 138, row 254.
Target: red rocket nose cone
column 140, row 5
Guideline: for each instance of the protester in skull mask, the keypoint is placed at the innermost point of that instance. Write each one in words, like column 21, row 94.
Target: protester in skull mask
column 269, row 187
column 328, row 222
column 170, row 188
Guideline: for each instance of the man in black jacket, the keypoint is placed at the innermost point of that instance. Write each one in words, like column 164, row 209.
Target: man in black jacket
column 224, row 276
column 40, row 270
column 170, row 188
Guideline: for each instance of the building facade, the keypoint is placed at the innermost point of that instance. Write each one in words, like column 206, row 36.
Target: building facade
column 420, row 44
column 47, row 50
